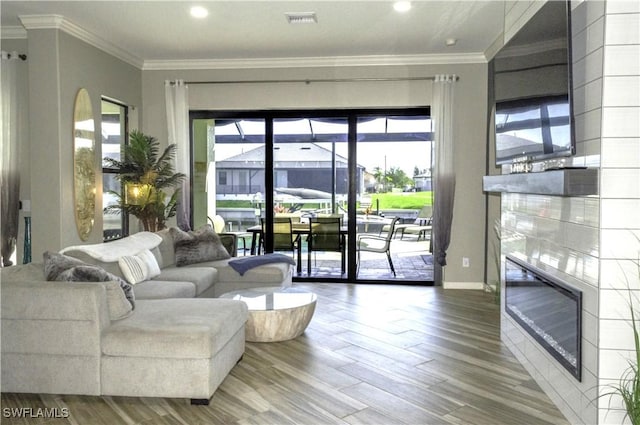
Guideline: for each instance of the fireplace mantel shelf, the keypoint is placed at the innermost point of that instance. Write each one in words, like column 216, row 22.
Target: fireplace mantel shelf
column 563, row 182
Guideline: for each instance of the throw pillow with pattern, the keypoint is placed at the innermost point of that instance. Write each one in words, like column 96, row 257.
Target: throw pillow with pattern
column 197, row 246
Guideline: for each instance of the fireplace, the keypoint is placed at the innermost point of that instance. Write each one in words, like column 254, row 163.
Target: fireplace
column 548, row 309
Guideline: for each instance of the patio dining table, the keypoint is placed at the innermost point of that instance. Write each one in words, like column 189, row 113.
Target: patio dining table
column 298, row 229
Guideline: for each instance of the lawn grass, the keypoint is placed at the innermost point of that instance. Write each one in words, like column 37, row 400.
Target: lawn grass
column 385, row 201
column 400, row 201
column 234, row 203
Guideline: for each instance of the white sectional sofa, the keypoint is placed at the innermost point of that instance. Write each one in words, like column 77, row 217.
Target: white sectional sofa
column 209, row 278
column 75, row 337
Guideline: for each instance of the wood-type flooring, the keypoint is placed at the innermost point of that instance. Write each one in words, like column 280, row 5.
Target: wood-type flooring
column 373, row 354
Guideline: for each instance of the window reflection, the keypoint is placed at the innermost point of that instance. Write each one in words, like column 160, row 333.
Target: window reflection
column 114, row 130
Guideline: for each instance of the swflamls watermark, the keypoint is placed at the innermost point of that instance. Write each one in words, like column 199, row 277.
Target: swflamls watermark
column 38, row 412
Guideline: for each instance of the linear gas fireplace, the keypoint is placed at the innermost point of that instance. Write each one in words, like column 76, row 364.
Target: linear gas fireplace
column 549, row 310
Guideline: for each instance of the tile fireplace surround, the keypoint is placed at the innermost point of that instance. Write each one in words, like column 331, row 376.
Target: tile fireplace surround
column 587, row 240
column 555, row 232
column 557, row 235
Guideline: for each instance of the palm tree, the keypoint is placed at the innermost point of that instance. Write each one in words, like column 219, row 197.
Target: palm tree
column 379, row 176
column 146, row 177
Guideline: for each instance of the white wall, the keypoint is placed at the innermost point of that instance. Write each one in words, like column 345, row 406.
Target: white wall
column 58, row 66
column 619, row 197
column 470, row 109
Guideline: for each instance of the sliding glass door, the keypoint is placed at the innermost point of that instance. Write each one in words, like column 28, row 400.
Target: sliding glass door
column 228, row 174
column 394, row 206
column 311, row 185
column 340, row 178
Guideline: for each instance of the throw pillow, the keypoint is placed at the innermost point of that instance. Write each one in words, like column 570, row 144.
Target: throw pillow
column 197, row 246
column 60, row 267
column 89, row 273
column 133, row 268
column 139, row 267
column 55, row 263
column 150, row 261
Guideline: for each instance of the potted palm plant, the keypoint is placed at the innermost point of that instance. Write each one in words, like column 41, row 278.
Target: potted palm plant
column 147, row 178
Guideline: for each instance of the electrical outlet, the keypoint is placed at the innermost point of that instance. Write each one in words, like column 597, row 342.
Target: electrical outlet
column 465, row 261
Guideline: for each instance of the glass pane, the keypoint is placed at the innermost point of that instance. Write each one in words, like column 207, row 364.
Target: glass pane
column 113, row 137
column 408, row 124
column 394, row 201
column 112, row 222
column 228, row 177
column 311, row 180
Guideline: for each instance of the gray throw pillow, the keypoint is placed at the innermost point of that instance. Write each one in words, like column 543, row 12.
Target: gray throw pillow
column 55, row 263
column 63, row 268
column 197, row 246
column 89, row 273
column 120, row 298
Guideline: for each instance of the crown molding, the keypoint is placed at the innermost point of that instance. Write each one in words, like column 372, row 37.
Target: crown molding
column 533, row 48
column 308, row 62
column 13, row 33
column 31, row 22
column 37, row 22
column 495, row 47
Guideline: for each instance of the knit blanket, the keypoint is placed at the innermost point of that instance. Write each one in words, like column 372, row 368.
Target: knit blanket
column 244, row 264
column 112, row 251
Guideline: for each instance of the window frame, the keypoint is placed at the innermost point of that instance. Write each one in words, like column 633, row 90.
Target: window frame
column 113, row 171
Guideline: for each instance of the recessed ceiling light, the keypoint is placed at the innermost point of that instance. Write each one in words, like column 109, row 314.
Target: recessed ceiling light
column 402, row 6
column 301, row 18
column 199, row 12
column 451, row 41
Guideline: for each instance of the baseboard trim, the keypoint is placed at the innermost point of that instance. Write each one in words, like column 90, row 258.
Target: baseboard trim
column 463, row 285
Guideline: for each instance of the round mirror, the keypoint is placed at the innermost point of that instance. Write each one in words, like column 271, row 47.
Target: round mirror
column 84, row 167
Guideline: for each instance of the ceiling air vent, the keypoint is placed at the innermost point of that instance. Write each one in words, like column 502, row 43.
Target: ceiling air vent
column 302, row 18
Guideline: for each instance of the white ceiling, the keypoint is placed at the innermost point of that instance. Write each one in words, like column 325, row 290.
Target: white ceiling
column 153, row 33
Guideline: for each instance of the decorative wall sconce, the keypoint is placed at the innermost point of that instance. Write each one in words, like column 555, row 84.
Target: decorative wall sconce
column 137, row 193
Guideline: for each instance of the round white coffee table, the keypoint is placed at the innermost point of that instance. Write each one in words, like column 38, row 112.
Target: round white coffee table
column 275, row 313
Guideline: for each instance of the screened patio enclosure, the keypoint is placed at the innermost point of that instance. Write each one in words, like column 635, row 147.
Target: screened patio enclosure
column 251, row 168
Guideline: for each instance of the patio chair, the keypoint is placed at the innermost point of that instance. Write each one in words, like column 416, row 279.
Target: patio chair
column 325, row 235
column 423, row 232
column 420, row 226
column 339, row 216
column 380, row 244
column 219, row 225
column 217, row 222
column 283, row 237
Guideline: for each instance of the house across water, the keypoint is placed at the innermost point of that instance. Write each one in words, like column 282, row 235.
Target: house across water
column 296, row 165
